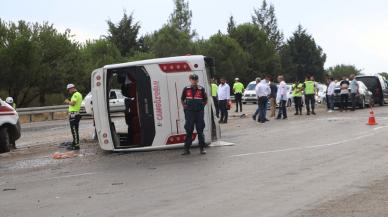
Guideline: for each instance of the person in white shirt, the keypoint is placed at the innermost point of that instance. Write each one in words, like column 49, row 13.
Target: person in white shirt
column 258, row 108
column 223, row 100
column 282, row 92
column 330, row 94
column 262, row 92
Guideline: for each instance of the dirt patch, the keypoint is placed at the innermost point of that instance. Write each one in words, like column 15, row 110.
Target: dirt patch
column 368, row 202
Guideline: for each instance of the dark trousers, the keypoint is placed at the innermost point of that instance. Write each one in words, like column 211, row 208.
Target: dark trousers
column 310, row 102
column 282, row 109
column 344, row 101
column 238, row 98
column 194, row 119
column 354, row 101
column 263, row 101
column 74, row 120
column 298, row 104
column 222, row 105
column 330, row 100
column 215, row 100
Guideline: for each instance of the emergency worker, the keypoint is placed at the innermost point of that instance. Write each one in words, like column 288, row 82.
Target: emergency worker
column 238, row 89
column 194, row 99
column 74, row 115
column 214, row 96
column 297, row 93
column 309, row 93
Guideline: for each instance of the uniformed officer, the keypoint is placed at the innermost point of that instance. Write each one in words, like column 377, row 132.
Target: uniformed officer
column 297, row 93
column 194, row 99
column 214, row 96
column 238, row 89
column 74, row 115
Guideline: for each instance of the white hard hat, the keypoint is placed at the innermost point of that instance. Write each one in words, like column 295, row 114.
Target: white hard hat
column 69, row 86
column 9, row 100
column 236, row 79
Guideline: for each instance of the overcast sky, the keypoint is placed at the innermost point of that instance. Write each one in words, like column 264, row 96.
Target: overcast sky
column 349, row 31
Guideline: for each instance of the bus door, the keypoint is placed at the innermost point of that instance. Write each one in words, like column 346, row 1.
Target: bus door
column 133, row 125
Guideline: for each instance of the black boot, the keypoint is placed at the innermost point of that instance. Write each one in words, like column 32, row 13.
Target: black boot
column 186, row 151
column 202, row 151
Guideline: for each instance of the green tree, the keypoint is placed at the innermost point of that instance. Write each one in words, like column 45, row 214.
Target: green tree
column 181, row 17
column 124, row 34
column 265, row 18
column 384, row 74
column 263, row 57
column 231, row 25
column 301, row 56
column 19, row 60
column 340, row 71
column 231, row 60
column 59, row 59
column 96, row 54
column 170, row 41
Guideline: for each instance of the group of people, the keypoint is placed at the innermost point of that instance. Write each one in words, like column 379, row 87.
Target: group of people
column 221, row 97
column 348, row 87
column 274, row 94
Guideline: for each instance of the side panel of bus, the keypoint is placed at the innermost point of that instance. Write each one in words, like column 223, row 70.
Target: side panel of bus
column 176, row 83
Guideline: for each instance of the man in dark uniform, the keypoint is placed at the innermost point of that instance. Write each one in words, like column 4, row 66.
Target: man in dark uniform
column 194, row 99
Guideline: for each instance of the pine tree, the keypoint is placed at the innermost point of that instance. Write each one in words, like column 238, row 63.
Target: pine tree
column 181, row 17
column 124, row 34
column 231, row 25
column 301, row 56
column 265, row 18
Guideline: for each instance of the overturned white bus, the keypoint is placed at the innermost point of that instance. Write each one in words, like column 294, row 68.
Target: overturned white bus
column 153, row 114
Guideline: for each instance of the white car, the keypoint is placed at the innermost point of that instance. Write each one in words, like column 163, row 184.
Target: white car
column 9, row 127
column 249, row 95
column 116, row 102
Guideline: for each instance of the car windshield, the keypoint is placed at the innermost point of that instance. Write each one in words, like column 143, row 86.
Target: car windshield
column 251, row 86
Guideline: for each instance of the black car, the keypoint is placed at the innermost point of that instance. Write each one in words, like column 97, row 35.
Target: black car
column 365, row 97
column 377, row 85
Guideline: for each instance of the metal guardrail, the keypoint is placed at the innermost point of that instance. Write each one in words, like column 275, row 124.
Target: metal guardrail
column 40, row 110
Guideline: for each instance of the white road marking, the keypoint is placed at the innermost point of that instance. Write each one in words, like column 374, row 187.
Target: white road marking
column 221, row 144
column 310, row 147
column 69, row 176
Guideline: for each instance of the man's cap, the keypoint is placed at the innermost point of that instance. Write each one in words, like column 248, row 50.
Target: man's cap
column 193, row 77
column 236, row 79
column 69, row 86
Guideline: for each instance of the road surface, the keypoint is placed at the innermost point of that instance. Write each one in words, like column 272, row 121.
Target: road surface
column 324, row 165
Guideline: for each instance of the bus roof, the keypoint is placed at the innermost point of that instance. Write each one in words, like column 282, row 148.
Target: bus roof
column 191, row 60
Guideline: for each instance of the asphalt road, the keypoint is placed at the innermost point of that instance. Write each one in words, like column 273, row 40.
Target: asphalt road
column 297, row 167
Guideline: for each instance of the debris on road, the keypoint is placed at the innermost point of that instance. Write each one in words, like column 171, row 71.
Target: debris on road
column 65, row 155
column 9, row 189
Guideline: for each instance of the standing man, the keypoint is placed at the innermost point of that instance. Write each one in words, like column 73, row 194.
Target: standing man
column 297, row 93
column 194, row 99
column 344, row 85
column 309, row 92
column 330, row 94
column 223, row 100
column 354, row 91
column 238, row 89
column 282, row 98
column 263, row 91
column 214, row 96
column 74, row 115
column 272, row 97
column 258, row 107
